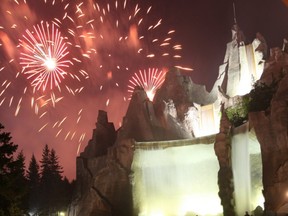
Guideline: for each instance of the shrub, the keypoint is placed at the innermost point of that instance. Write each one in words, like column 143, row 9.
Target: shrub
column 261, row 96
column 238, row 114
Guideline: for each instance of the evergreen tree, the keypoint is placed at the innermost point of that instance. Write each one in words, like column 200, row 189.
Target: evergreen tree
column 20, row 182
column 56, row 191
column 10, row 199
column 7, row 149
column 63, row 188
column 56, row 169
column 33, row 177
column 45, row 188
column 68, row 188
column 43, row 191
column 44, row 163
column 56, row 182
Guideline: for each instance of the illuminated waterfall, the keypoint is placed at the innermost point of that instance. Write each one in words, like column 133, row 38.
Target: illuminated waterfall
column 176, row 178
column 247, row 170
column 241, row 170
column 176, row 181
column 182, row 180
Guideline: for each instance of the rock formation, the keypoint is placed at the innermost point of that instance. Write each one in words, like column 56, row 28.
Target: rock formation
column 268, row 116
column 271, row 127
column 225, row 176
column 102, row 178
column 104, row 135
column 104, row 168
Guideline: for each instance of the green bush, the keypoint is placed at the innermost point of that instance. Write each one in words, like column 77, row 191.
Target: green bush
column 261, row 96
column 238, row 114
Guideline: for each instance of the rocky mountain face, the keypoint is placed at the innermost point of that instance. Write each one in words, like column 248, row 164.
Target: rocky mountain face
column 268, row 116
column 154, row 121
column 271, row 127
column 103, row 169
column 222, row 149
column 102, row 177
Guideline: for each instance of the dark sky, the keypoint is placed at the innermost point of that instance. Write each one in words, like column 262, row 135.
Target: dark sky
column 203, row 29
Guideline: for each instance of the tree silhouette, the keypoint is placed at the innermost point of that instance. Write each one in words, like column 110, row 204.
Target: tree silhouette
column 43, row 191
column 20, row 181
column 55, row 191
column 33, row 177
column 45, row 180
column 55, row 182
column 11, row 195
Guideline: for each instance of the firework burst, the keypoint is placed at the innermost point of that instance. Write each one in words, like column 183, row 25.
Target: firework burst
column 149, row 80
column 38, row 73
column 79, row 56
column 120, row 37
column 41, row 55
column 44, row 59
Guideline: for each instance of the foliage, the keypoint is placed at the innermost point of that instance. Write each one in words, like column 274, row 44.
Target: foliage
column 33, row 177
column 42, row 191
column 258, row 99
column 52, row 185
column 7, row 149
column 20, row 181
column 261, row 96
column 238, row 113
column 12, row 177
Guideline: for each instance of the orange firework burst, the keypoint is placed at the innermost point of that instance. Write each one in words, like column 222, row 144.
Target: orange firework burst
column 37, row 70
column 122, row 36
column 44, row 56
column 81, row 46
column 149, row 80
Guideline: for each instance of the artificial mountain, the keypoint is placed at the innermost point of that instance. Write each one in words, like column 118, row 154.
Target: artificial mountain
column 104, row 177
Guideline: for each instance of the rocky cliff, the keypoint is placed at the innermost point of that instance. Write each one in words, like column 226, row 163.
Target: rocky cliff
column 267, row 113
column 102, row 178
column 271, row 126
column 103, row 169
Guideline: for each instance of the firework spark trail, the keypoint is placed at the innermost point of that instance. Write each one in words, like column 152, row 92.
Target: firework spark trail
column 8, row 46
column 122, row 35
column 43, row 59
column 22, row 17
column 107, row 42
column 16, row 17
column 149, row 80
column 44, row 55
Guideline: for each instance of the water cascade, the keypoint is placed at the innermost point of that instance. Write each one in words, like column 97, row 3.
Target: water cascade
column 247, row 170
column 179, row 178
column 176, row 181
column 241, row 170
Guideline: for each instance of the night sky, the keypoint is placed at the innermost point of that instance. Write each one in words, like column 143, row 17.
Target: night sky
column 202, row 28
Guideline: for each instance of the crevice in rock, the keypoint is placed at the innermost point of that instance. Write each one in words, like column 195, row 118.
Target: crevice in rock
column 98, row 192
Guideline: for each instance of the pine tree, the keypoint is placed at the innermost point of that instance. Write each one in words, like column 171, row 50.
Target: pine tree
column 7, row 149
column 68, row 189
column 44, row 163
column 45, row 181
column 20, row 182
column 56, row 169
column 33, row 177
column 10, row 199
column 57, row 192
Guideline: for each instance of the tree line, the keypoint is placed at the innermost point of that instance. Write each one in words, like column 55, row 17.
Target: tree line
column 41, row 189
